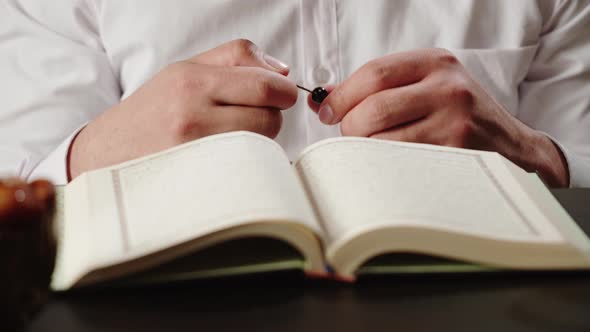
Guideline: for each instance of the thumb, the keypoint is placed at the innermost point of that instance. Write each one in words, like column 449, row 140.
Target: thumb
column 240, row 52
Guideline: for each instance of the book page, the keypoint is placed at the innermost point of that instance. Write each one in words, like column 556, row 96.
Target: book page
column 205, row 186
column 362, row 184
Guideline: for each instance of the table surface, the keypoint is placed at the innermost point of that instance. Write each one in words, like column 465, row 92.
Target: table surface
column 515, row 301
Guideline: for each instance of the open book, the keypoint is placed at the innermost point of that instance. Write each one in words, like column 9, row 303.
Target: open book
column 234, row 203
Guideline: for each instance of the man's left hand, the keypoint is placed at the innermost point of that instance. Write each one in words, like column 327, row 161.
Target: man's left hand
column 427, row 96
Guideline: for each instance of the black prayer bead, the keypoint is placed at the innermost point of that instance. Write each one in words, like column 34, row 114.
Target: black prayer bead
column 319, row 94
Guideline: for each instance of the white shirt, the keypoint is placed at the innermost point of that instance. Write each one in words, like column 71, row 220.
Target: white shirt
column 64, row 62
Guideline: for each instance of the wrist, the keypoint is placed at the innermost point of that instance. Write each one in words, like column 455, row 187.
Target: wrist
column 90, row 148
column 69, row 168
column 550, row 161
column 75, row 164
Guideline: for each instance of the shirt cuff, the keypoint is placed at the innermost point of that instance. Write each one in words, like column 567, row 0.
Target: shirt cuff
column 578, row 166
column 55, row 166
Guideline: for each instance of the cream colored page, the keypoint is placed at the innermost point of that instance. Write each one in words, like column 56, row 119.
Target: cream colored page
column 362, row 184
column 205, row 186
column 73, row 234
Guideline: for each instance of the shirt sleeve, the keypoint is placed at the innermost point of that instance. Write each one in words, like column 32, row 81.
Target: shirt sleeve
column 55, row 76
column 555, row 95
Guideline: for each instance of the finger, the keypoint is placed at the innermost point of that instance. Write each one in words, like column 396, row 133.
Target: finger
column 419, row 131
column 250, row 87
column 240, row 52
column 264, row 121
column 392, row 71
column 387, row 109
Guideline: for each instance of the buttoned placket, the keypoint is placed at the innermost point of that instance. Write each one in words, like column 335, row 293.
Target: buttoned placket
column 321, row 57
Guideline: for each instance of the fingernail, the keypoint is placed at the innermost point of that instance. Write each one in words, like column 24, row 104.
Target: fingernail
column 274, row 62
column 326, row 114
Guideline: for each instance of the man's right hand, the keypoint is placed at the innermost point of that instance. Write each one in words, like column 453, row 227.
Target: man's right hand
column 232, row 87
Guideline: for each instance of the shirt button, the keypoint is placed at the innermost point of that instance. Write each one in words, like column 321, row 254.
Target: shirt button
column 322, row 75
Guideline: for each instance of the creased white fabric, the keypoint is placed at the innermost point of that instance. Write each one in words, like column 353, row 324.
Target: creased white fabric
column 64, row 62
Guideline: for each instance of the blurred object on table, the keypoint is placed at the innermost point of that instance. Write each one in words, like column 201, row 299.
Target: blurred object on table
column 27, row 250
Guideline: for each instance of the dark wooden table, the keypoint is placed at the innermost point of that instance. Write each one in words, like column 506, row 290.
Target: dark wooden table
column 287, row 302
